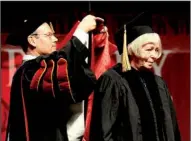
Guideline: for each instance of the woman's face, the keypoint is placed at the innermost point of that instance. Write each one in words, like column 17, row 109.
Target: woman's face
column 148, row 54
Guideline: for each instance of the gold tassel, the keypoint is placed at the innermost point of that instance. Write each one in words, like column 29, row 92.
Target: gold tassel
column 124, row 57
column 51, row 26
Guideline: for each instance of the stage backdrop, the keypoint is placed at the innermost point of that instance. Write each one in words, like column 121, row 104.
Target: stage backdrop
column 174, row 67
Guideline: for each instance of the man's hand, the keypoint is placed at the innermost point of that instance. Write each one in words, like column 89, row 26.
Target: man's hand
column 88, row 23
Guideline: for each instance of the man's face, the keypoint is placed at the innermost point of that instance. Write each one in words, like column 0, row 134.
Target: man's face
column 148, row 54
column 45, row 40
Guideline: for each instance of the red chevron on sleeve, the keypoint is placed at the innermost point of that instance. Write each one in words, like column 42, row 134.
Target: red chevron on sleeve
column 37, row 76
column 62, row 77
column 48, row 84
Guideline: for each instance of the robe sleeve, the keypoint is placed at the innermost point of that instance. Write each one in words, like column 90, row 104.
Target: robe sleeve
column 105, row 109
column 65, row 73
column 173, row 116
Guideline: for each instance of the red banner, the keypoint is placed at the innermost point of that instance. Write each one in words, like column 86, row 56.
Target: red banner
column 174, row 67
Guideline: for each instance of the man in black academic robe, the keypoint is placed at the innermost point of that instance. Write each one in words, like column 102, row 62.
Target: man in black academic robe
column 44, row 87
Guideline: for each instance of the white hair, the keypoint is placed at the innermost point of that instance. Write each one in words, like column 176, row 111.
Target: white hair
column 133, row 47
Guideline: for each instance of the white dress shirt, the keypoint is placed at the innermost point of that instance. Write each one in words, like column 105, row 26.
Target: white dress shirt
column 76, row 125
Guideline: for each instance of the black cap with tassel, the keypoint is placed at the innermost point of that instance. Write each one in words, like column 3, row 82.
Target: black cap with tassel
column 129, row 32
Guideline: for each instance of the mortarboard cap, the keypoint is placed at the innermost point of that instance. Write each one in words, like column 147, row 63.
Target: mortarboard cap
column 138, row 26
column 28, row 25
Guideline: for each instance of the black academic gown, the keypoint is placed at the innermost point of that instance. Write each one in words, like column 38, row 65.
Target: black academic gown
column 43, row 88
column 132, row 106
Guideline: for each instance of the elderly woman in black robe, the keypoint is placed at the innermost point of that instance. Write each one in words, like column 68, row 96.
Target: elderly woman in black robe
column 131, row 103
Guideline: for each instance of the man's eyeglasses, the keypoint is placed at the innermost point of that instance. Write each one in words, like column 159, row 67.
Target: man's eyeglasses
column 47, row 34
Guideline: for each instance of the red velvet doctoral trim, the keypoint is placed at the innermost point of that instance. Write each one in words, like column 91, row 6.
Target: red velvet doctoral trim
column 37, row 76
column 48, row 84
column 63, row 78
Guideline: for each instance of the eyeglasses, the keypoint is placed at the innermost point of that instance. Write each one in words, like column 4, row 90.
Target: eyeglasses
column 47, row 34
